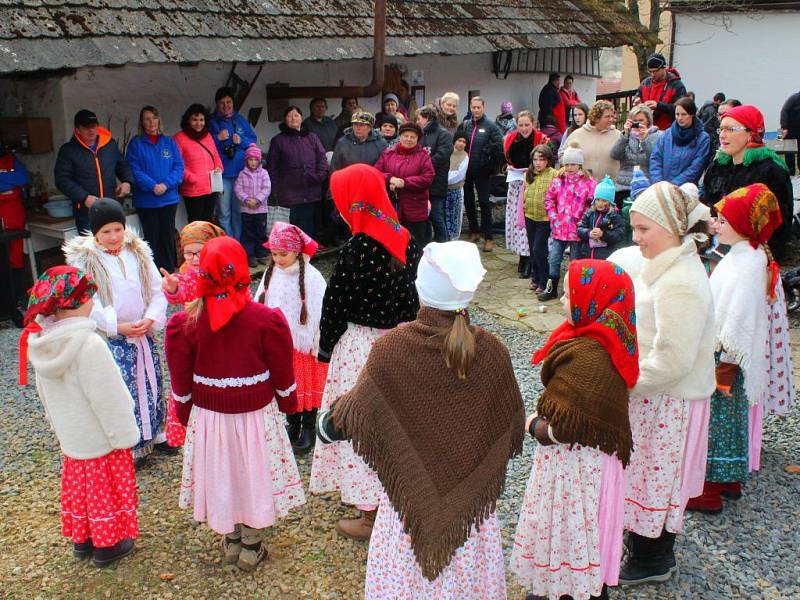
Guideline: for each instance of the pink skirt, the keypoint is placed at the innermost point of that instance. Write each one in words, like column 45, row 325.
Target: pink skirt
column 336, row 466
column 476, row 572
column 668, row 464
column 98, row 499
column 755, row 419
column 569, row 535
column 310, row 375
column 239, row 468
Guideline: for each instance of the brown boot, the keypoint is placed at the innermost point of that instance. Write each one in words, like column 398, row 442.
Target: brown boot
column 359, row 529
column 232, row 546
column 474, row 237
column 253, row 550
column 488, row 246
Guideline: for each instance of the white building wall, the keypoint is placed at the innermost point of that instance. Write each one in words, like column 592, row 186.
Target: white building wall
column 746, row 56
column 117, row 94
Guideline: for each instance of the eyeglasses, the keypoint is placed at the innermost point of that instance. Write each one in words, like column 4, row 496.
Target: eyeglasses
column 190, row 255
column 732, row 129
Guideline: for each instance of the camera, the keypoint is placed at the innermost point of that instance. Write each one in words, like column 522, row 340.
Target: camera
column 635, row 125
column 229, row 151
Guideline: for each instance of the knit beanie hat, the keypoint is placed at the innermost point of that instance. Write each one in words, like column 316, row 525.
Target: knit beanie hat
column 573, row 155
column 605, row 190
column 449, row 274
column 639, row 183
column 411, row 127
column 253, row 151
column 388, row 120
column 749, row 116
column 656, row 61
column 672, row 208
column 103, row 212
column 387, row 97
column 460, row 135
column 506, row 107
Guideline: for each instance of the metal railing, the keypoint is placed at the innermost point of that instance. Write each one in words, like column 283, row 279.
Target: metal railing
column 622, row 101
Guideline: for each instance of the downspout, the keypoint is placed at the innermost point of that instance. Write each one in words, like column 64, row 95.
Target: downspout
column 374, row 88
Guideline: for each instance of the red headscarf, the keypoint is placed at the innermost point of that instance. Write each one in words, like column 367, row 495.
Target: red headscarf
column 224, row 280
column 290, row 238
column 359, row 192
column 59, row 287
column 754, row 213
column 603, row 308
column 749, row 116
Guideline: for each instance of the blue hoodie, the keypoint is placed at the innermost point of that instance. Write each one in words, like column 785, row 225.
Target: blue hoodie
column 152, row 164
column 236, row 124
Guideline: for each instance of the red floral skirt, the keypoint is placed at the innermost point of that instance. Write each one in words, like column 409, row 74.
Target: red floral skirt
column 310, row 375
column 98, row 499
column 176, row 432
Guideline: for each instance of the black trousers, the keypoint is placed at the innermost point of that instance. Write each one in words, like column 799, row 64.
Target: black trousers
column 538, row 234
column 200, row 208
column 478, row 182
column 419, row 231
column 254, row 234
column 158, row 229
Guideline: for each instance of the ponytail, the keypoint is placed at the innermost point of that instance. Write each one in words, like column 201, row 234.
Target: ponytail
column 459, row 345
column 302, row 283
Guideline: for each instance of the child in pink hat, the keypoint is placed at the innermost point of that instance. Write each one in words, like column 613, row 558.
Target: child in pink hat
column 252, row 189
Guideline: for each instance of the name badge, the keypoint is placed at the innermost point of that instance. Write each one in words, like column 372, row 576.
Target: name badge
column 481, row 131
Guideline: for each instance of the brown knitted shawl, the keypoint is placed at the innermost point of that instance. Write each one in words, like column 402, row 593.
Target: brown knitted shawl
column 585, row 399
column 439, row 444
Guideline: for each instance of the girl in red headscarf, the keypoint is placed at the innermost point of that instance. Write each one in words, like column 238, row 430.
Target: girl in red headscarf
column 744, row 286
column 230, row 364
column 370, row 291
column 297, row 289
column 181, row 288
column 590, row 362
column 91, row 412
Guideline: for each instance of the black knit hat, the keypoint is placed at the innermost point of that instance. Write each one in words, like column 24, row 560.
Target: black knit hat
column 103, row 212
column 411, row 127
column 388, row 119
column 656, row 61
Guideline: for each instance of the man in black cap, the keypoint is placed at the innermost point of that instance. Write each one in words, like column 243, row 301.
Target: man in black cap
column 660, row 91
column 90, row 166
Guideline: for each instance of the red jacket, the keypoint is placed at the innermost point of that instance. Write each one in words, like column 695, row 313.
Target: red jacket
column 665, row 92
column 414, row 166
column 199, row 159
column 238, row 369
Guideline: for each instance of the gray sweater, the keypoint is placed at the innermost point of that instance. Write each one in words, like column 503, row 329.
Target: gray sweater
column 631, row 151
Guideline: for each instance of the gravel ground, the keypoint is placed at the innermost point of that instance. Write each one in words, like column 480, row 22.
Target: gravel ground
column 743, row 553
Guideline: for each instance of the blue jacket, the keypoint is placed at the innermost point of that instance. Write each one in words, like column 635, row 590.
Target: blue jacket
column 231, row 167
column 152, row 164
column 679, row 164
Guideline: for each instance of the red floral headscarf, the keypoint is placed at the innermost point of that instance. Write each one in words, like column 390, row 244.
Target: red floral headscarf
column 359, row 192
column 290, row 238
column 224, row 280
column 61, row 287
column 749, row 116
column 198, row 232
column 754, row 213
column 603, row 308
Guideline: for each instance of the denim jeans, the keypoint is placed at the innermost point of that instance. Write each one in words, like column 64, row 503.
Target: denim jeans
column 437, row 219
column 557, row 254
column 538, row 233
column 228, row 212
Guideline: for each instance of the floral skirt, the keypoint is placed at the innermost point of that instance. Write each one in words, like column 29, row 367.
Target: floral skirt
column 781, row 375
column 99, row 499
column 668, row 464
column 454, row 213
column 239, row 468
column 728, row 435
column 150, row 409
column 176, row 432
column 336, row 466
column 476, row 572
column 569, row 535
column 310, row 375
column 516, row 238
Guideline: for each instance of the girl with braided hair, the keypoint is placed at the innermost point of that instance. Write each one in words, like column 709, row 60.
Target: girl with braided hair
column 297, row 288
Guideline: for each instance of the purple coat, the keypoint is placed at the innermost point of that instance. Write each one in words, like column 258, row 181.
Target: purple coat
column 297, row 167
column 414, row 166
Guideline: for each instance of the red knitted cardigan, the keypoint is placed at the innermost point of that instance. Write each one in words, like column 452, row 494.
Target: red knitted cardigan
column 238, row 369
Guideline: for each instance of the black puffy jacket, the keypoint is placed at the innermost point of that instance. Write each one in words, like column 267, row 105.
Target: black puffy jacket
column 486, row 148
column 439, row 144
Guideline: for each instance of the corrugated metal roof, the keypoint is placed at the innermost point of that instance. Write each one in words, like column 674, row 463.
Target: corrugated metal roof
column 55, row 34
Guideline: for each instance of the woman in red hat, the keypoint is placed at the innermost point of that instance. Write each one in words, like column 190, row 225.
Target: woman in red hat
column 743, row 159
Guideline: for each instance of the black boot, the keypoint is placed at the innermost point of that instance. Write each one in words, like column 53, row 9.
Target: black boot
column 526, row 268
column 649, row 560
column 308, row 434
column 105, row 556
column 293, row 427
column 550, row 291
column 521, row 266
column 82, row 550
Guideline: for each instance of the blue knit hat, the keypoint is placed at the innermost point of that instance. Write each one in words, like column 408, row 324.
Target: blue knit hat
column 639, row 183
column 605, row 190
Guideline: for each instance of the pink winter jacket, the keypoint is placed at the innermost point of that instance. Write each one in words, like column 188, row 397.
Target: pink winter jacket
column 565, row 202
column 199, row 159
column 253, row 184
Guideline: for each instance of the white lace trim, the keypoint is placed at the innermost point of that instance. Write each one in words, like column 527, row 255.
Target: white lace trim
column 287, row 391
column 182, row 399
column 227, row 382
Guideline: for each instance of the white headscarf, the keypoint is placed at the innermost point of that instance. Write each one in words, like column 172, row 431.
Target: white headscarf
column 449, row 274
